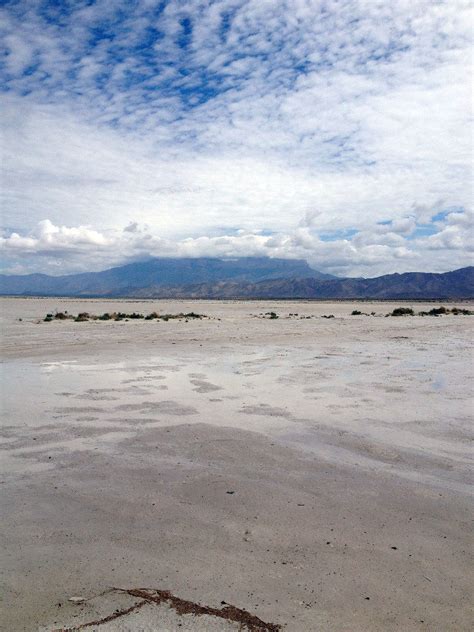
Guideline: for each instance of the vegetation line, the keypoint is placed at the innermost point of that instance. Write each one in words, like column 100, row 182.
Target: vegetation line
column 85, row 316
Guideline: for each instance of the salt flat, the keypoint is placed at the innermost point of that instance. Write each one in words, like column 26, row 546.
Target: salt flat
column 313, row 472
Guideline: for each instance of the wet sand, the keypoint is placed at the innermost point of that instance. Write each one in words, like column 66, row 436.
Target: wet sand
column 312, row 472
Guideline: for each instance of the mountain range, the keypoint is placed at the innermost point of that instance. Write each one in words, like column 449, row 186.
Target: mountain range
column 245, row 277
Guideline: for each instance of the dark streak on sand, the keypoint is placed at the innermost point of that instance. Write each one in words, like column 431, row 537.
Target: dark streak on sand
column 167, row 407
column 111, row 617
column 181, row 606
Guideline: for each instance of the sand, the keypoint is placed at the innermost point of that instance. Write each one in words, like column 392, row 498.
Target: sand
column 312, row 472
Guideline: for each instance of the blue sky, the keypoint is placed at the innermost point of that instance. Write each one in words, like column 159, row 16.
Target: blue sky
column 335, row 131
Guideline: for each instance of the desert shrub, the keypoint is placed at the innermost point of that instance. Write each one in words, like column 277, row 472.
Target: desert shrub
column 459, row 311
column 327, row 316
column 437, row 311
column 403, row 311
column 271, row 315
column 48, row 318
column 356, row 312
column 85, row 316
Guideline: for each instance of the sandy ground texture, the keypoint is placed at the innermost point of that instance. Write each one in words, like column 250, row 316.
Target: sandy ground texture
column 235, row 472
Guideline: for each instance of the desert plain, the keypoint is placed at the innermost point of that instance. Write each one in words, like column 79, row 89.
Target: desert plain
column 313, row 472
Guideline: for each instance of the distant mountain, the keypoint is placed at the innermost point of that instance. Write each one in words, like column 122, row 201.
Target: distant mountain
column 411, row 285
column 135, row 278
column 246, row 277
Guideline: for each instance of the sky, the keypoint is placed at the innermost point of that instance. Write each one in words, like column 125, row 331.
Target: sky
column 336, row 131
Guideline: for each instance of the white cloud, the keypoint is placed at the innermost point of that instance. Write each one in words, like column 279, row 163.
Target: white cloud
column 457, row 234
column 366, row 253
column 253, row 115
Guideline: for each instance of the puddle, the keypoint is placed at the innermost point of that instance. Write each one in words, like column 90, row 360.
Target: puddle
column 34, row 394
column 439, row 383
column 285, row 391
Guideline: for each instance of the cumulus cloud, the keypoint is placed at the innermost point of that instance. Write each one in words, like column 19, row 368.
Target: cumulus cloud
column 364, row 253
column 199, row 119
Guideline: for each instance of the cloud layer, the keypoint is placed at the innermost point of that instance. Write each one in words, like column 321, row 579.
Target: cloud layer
column 402, row 244
column 337, row 131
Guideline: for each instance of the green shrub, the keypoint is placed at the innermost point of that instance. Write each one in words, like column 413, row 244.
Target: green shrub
column 82, row 317
column 436, row 311
column 403, row 311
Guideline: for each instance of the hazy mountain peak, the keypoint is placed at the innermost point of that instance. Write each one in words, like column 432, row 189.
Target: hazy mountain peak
column 159, row 273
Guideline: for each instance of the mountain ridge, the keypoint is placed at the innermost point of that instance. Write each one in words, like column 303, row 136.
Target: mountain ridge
column 239, row 278
column 457, row 284
column 158, row 272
